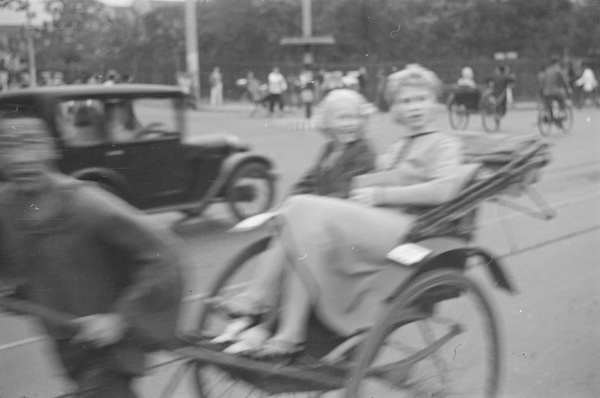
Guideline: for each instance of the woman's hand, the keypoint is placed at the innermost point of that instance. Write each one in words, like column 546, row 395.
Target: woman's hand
column 101, row 329
column 366, row 196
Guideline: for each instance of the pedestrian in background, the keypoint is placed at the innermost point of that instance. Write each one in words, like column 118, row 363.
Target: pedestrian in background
column 111, row 78
column 216, row 87
column 253, row 87
column 381, row 82
column 467, row 78
column 589, row 86
column 277, row 85
column 363, row 81
column 307, row 90
column 77, row 249
column 3, row 76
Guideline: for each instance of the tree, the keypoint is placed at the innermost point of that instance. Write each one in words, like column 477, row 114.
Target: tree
column 246, row 30
column 75, row 36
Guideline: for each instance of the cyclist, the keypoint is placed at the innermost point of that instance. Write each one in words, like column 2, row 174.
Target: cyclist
column 554, row 86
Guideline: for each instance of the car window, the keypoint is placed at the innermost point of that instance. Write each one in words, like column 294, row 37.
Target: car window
column 154, row 118
column 116, row 120
column 122, row 123
column 80, row 123
column 18, row 108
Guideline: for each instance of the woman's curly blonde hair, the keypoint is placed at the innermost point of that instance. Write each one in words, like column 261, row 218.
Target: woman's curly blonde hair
column 412, row 75
column 345, row 96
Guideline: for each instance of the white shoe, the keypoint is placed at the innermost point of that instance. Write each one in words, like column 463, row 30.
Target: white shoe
column 233, row 330
column 250, row 340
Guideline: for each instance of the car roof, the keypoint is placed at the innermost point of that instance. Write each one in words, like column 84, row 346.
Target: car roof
column 80, row 90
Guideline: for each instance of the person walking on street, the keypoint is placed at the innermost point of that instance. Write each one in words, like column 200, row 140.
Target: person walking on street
column 589, row 85
column 277, row 85
column 76, row 249
column 216, row 87
column 381, row 83
column 363, row 81
column 307, row 87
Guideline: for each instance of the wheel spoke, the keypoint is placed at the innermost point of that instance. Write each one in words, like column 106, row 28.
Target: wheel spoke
column 444, row 358
column 213, row 381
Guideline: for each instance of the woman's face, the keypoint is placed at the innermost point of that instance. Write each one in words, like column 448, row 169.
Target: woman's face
column 345, row 123
column 415, row 107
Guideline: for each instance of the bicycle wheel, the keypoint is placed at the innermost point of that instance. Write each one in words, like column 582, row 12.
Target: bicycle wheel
column 567, row 119
column 490, row 117
column 212, row 381
column 544, row 122
column 459, row 116
column 438, row 338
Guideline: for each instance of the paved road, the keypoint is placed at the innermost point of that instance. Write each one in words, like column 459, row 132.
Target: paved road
column 550, row 327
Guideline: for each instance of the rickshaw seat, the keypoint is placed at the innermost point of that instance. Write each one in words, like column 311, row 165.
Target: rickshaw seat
column 489, row 171
column 506, row 165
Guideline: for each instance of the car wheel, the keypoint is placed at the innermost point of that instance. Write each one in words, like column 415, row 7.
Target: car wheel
column 250, row 190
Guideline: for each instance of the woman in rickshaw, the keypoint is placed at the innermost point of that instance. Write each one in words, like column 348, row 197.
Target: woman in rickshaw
column 347, row 153
column 329, row 255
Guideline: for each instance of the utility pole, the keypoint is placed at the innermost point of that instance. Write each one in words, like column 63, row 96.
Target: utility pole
column 308, row 58
column 30, row 35
column 307, row 40
column 191, row 47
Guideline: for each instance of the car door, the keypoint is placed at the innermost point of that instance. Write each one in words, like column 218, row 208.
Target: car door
column 144, row 146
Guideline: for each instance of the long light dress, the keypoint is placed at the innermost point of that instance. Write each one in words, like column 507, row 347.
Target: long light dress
column 338, row 247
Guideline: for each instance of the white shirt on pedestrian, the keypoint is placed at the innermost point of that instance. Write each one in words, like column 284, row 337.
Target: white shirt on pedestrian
column 277, row 83
column 587, row 80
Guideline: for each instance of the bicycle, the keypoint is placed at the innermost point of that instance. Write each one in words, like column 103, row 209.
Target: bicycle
column 561, row 117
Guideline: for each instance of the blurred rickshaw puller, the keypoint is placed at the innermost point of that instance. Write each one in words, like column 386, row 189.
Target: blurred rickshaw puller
column 82, row 251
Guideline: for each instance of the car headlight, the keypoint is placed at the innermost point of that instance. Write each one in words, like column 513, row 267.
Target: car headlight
column 233, row 140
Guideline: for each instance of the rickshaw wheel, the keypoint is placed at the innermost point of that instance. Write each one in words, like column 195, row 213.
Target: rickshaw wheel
column 490, row 117
column 231, row 279
column 438, row 338
column 459, row 116
column 210, row 380
column 250, row 190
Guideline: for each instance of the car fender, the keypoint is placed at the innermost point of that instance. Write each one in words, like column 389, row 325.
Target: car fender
column 454, row 253
column 237, row 160
column 228, row 168
column 105, row 176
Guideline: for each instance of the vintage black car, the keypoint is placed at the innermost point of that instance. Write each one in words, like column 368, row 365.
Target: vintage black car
column 134, row 140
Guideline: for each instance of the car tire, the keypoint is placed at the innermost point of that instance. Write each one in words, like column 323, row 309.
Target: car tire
column 250, row 190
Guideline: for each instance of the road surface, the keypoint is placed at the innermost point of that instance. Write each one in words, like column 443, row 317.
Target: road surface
column 551, row 327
